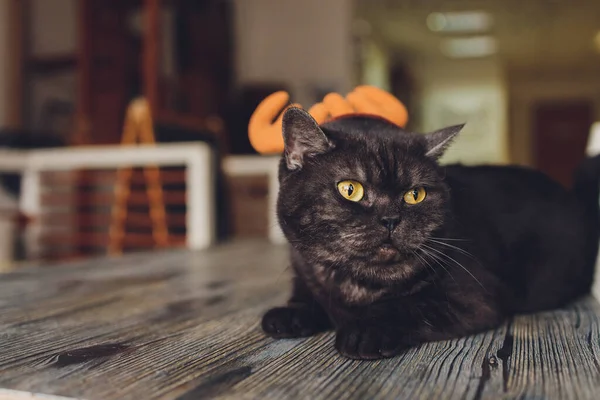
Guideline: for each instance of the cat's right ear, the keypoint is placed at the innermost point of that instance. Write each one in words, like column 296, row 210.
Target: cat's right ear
column 437, row 142
column 302, row 137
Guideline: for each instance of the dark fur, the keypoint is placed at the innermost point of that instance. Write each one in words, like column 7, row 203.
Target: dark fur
column 485, row 244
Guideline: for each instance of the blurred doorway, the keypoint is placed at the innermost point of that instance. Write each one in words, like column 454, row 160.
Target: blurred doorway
column 560, row 134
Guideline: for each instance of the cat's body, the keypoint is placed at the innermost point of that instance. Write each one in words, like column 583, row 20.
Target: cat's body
column 389, row 272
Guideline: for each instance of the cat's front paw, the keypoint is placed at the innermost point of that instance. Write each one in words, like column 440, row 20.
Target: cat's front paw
column 368, row 343
column 287, row 322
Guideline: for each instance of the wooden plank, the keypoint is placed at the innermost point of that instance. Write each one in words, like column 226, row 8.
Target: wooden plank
column 554, row 353
column 100, row 239
column 109, row 177
column 58, row 255
column 143, row 220
column 19, row 395
column 99, row 219
column 184, row 325
column 136, row 198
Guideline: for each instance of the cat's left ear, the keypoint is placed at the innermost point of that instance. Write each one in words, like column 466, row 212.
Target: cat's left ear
column 438, row 141
column 302, row 137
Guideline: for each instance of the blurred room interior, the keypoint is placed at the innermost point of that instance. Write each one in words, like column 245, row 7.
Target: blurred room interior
column 523, row 75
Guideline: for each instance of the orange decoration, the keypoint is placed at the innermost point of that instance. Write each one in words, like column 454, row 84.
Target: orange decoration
column 264, row 129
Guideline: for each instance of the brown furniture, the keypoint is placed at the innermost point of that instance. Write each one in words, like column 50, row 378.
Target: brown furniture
column 176, row 53
column 248, row 206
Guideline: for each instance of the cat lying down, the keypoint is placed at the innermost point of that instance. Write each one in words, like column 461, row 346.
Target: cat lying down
column 391, row 250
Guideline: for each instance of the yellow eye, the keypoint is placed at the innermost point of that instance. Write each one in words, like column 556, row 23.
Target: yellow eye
column 351, row 190
column 416, row 195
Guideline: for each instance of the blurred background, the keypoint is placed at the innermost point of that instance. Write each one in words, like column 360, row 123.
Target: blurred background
column 523, row 75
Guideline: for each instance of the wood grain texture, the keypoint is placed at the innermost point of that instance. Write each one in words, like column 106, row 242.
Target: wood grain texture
column 183, row 325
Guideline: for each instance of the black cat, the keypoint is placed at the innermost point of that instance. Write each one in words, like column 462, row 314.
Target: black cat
column 392, row 250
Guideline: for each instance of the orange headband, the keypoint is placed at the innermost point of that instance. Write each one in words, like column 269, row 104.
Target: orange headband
column 265, row 135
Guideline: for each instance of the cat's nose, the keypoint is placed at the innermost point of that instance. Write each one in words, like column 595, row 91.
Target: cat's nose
column 390, row 221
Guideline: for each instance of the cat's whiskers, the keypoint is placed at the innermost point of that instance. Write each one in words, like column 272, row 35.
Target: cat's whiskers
column 352, row 236
column 427, row 264
column 463, row 251
column 309, row 230
column 439, row 261
column 456, row 262
column 450, row 239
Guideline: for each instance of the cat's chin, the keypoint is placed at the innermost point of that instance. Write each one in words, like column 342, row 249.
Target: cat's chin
column 387, row 266
column 387, row 254
column 384, row 274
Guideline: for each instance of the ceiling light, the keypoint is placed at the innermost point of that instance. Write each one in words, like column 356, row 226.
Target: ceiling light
column 593, row 145
column 475, row 46
column 460, row 21
column 436, row 22
column 597, row 41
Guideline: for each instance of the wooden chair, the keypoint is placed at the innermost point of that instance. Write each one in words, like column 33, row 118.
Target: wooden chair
column 139, row 129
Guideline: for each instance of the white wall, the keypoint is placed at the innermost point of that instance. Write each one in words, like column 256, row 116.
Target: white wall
column 471, row 92
column 305, row 44
column 53, row 27
column 53, row 33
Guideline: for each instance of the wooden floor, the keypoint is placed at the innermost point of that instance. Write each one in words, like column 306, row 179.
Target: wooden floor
column 185, row 326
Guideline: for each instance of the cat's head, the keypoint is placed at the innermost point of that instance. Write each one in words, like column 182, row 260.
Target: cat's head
column 360, row 195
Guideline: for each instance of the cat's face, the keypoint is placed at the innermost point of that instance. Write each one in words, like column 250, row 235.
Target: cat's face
column 359, row 197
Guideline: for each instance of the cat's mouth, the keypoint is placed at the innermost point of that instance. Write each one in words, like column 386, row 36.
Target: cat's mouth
column 387, row 253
